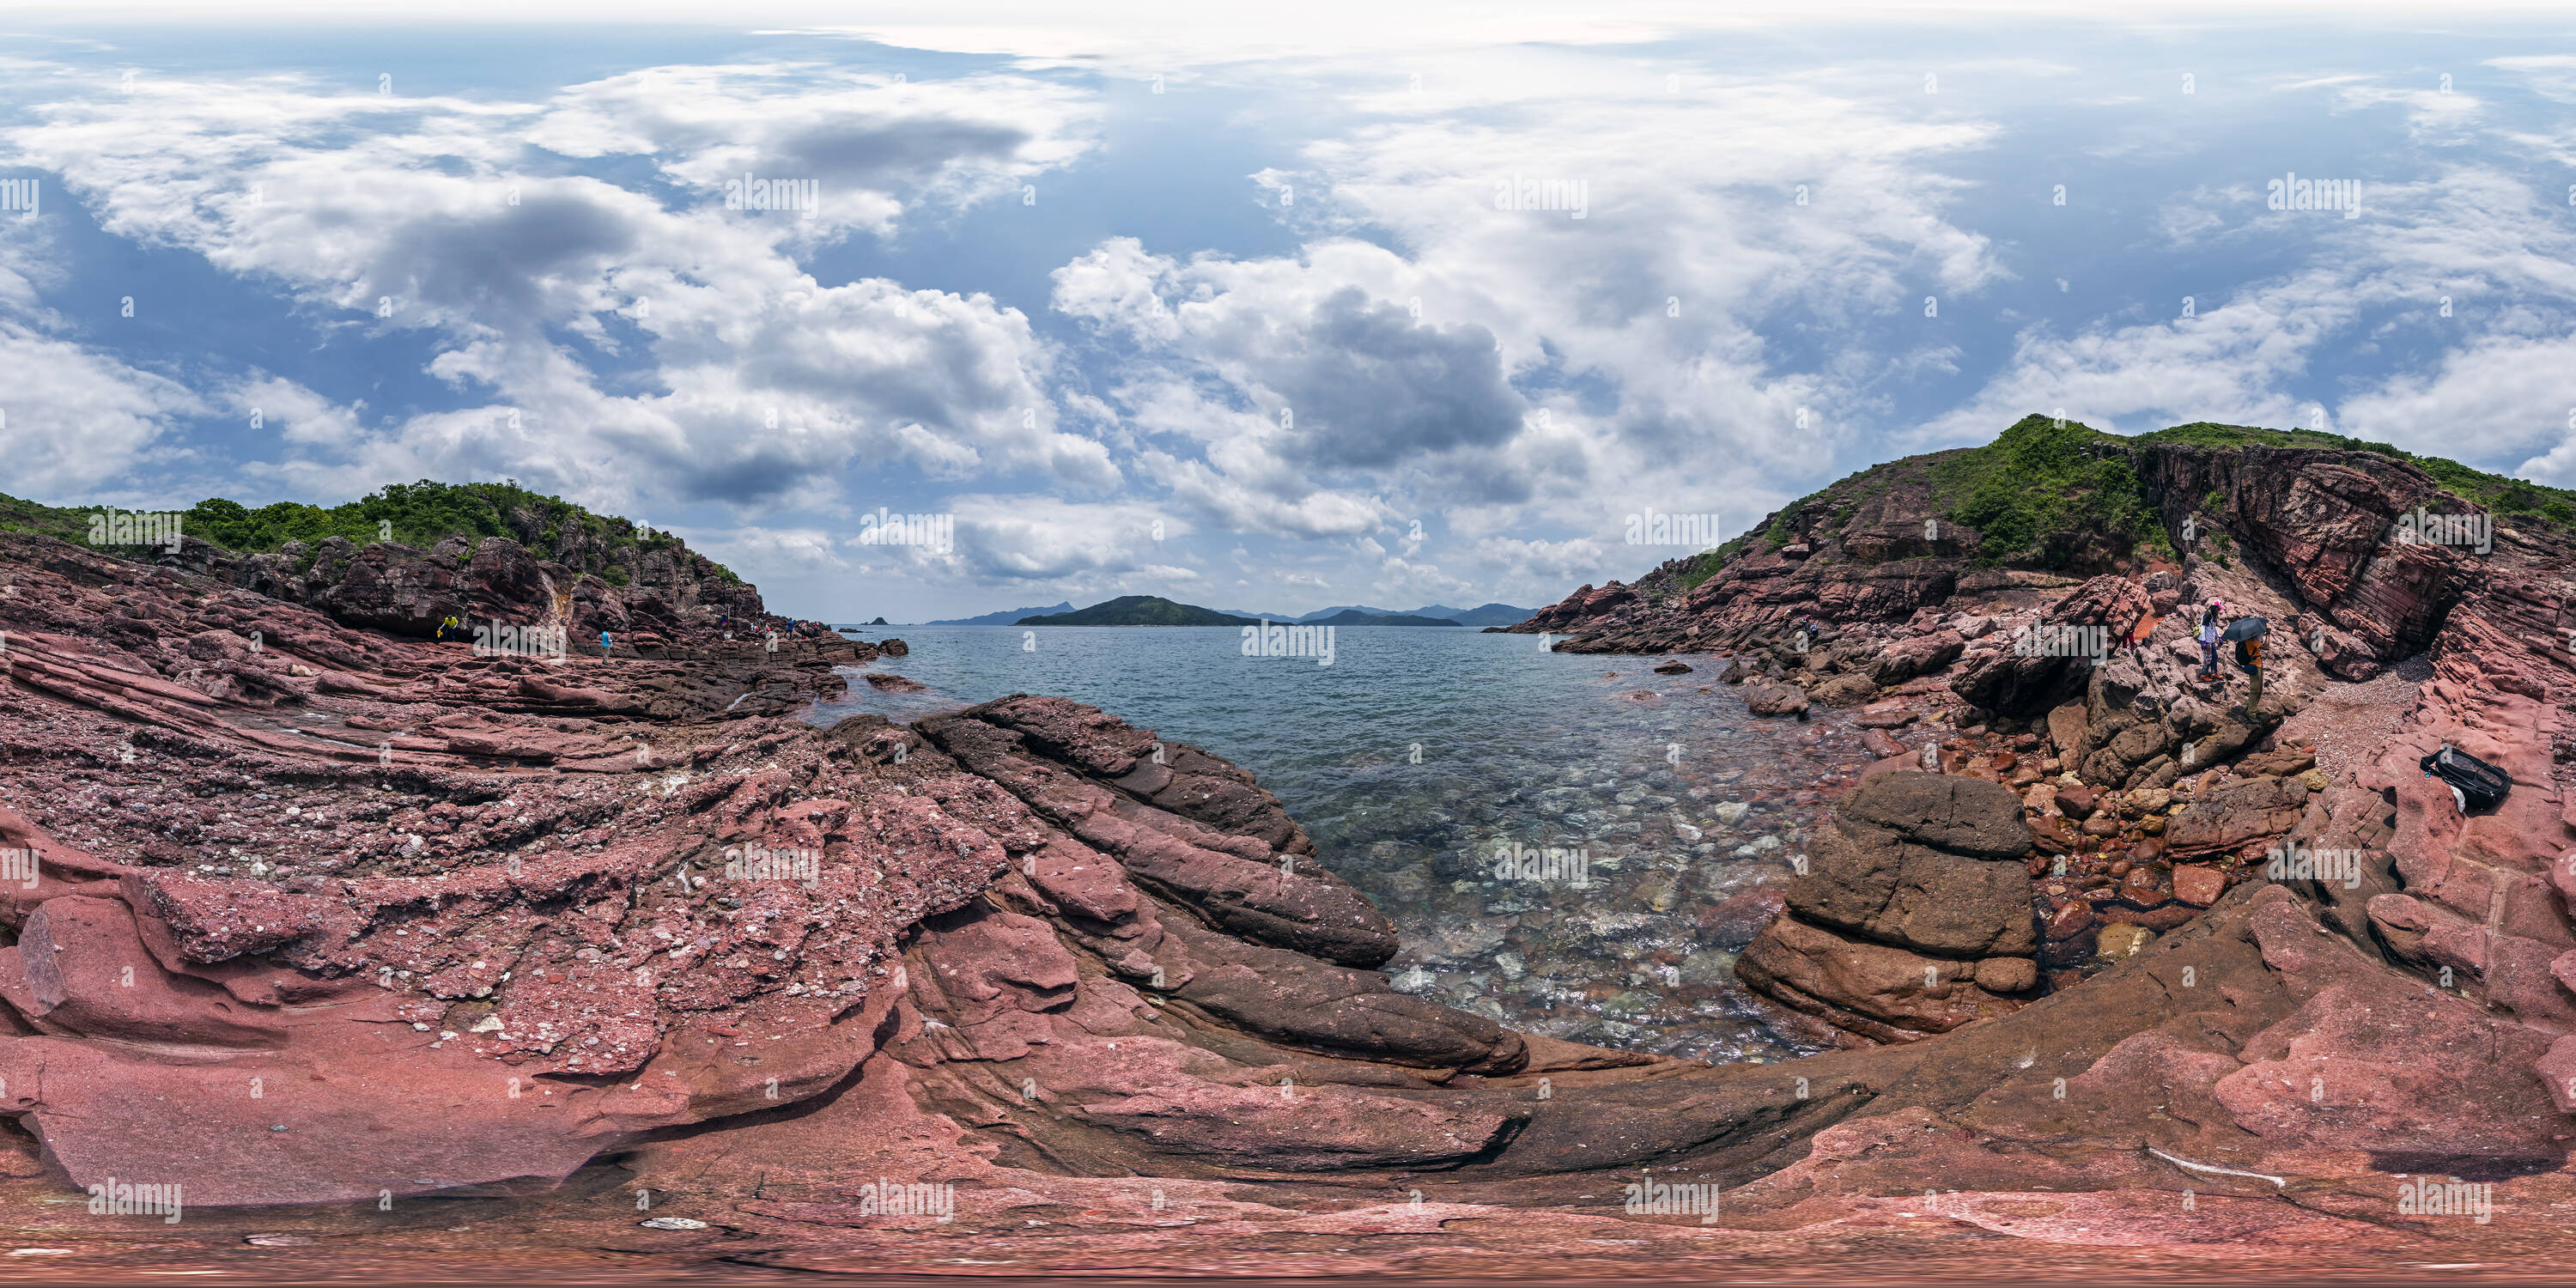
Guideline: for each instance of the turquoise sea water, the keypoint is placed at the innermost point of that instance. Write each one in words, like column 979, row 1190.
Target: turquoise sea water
column 1516, row 746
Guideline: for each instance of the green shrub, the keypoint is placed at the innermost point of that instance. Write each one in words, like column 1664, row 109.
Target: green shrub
column 2034, row 492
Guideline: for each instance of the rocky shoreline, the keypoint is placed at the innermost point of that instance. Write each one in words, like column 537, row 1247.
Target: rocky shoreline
column 378, row 949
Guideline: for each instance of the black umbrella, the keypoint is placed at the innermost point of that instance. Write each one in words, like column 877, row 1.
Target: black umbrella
column 2246, row 628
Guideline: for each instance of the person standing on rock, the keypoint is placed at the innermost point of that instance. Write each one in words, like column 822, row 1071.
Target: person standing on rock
column 604, row 645
column 2209, row 629
column 2138, row 635
column 2249, row 657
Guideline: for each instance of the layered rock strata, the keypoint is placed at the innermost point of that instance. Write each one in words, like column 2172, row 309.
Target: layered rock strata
column 1008, row 986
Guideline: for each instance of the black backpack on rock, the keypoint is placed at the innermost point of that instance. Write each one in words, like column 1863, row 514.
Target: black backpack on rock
column 2474, row 783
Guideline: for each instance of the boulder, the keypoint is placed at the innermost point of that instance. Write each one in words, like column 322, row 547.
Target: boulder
column 1879, row 992
column 1844, row 691
column 1772, row 698
column 2066, row 728
column 1923, row 861
column 2236, row 814
column 2198, row 885
column 2052, row 658
column 1921, row 655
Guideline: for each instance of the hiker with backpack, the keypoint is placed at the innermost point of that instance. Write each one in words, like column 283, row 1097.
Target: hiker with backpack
column 2249, row 658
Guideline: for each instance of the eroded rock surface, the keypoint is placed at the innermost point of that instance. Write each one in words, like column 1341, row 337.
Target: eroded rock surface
column 349, row 915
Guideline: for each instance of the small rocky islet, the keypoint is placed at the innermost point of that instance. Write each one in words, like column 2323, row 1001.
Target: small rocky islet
column 615, row 953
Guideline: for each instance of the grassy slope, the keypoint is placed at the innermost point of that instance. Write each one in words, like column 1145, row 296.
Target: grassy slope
column 421, row 514
column 2039, row 477
column 2504, row 497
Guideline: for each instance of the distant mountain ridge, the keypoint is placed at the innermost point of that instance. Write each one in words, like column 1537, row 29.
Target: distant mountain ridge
column 1009, row 618
column 1139, row 610
column 1486, row 615
column 1354, row 617
column 1491, row 614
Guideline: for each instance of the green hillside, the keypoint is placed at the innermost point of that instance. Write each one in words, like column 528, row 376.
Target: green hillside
column 2499, row 495
column 2042, row 478
column 2062, row 495
column 1138, row 610
column 419, row 514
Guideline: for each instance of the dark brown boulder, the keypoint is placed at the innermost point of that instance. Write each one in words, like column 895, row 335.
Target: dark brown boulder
column 1923, row 861
column 1771, row 698
column 2052, row 658
column 2236, row 814
column 1921, row 655
column 1880, row 992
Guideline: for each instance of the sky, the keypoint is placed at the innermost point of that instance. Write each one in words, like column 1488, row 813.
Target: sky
column 1332, row 304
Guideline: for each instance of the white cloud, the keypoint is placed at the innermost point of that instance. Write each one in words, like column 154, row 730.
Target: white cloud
column 429, row 216
column 75, row 420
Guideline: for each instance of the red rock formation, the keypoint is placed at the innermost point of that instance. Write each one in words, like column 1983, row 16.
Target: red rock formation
column 1102, row 986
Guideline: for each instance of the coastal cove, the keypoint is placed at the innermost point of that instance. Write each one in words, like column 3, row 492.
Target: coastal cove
column 1519, row 747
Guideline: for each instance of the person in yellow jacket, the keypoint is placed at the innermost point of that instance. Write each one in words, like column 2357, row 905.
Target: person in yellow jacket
column 2249, row 657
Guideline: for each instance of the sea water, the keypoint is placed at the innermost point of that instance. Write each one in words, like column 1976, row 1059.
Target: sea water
column 1421, row 754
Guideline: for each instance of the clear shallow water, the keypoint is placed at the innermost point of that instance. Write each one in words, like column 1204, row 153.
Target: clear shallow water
column 1517, row 746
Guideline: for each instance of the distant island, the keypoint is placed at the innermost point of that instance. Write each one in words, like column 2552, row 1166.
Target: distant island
column 1427, row 615
column 1012, row 617
column 1153, row 610
column 1354, row 617
column 1139, row 610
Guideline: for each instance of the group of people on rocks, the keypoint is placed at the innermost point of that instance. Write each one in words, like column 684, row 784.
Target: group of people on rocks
column 2212, row 632
column 2249, row 651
